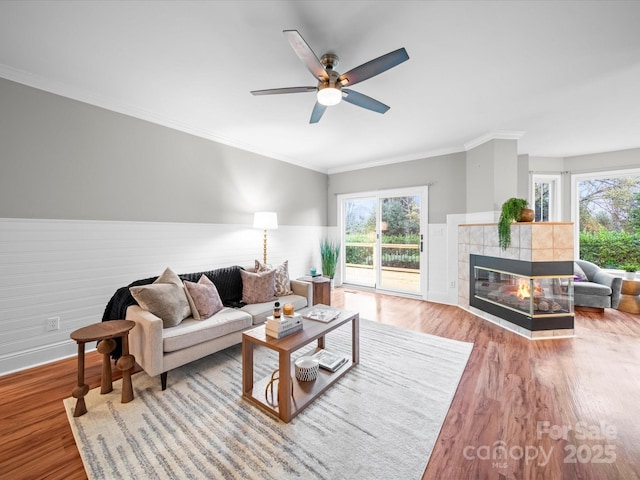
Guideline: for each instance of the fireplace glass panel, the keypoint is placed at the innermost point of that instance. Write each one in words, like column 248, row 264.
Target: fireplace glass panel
column 531, row 296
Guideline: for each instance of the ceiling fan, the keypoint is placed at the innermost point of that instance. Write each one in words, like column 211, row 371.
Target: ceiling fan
column 330, row 89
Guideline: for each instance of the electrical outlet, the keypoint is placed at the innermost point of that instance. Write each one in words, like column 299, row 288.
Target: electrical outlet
column 452, row 284
column 53, row 323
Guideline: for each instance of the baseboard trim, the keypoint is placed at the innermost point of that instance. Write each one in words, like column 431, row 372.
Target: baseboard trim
column 37, row 356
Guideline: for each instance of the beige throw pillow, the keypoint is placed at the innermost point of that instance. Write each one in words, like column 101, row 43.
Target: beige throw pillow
column 258, row 287
column 203, row 298
column 165, row 298
column 283, row 283
column 169, row 276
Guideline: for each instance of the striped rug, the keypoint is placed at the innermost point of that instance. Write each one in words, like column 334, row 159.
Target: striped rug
column 380, row 421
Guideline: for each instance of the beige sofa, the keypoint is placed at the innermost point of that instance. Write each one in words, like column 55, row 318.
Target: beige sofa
column 158, row 350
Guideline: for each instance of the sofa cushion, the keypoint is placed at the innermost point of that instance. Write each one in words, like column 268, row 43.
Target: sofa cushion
column 283, row 282
column 260, row 311
column 591, row 288
column 165, row 300
column 191, row 332
column 258, row 287
column 203, row 298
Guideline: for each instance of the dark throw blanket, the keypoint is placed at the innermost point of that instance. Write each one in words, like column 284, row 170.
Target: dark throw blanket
column 227, row 280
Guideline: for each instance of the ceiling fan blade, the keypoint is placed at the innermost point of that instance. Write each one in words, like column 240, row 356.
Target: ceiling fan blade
column 363, row 101
column 374, row 67
column 304, row 52
column 277, row 91
column 316, row 114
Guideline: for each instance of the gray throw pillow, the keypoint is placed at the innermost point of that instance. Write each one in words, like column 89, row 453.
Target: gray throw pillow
column 165, row 298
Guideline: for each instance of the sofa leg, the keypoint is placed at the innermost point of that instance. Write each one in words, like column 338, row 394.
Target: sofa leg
column 163, row 380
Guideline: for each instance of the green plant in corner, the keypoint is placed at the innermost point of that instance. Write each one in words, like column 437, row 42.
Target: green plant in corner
column 511, row 210
column 329, row 252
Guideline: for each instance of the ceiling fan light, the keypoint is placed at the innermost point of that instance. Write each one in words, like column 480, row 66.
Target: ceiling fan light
column 329, row 96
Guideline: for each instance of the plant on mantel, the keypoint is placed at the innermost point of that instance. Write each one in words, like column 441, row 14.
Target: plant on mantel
column 511, row 212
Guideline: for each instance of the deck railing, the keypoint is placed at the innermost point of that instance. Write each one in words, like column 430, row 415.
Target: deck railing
column 393, row 255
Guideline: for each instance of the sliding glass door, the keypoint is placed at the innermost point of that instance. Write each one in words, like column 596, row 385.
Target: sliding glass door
column 384, row 245
column 359, row 234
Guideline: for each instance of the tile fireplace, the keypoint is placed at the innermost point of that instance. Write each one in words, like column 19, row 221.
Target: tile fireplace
column 527, row 288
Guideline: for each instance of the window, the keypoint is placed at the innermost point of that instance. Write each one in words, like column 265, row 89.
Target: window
column 546, row 197
column 606, row 211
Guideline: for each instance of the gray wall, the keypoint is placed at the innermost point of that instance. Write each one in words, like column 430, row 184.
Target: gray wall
column 492, row 175
column 479, row 179
column 620, row 160
column 444, row 174
column 64, row 159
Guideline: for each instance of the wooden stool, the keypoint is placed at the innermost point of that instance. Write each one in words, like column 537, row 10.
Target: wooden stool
column 630, row 296
column 104, row 333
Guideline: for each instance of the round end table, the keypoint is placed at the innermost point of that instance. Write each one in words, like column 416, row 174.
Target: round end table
column 104, row 333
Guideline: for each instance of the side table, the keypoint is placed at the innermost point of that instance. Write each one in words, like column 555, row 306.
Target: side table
column 104, row 333
column 321, row 289
column 630, row 296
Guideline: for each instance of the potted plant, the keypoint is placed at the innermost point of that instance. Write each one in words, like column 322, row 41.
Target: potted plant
column 630, row 270
column 512, row 211
column 329, row 252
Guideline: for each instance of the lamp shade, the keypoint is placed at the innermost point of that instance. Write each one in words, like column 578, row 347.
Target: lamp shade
column 265, row 220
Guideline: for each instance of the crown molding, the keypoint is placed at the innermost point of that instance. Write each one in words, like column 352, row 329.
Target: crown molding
column 495, row 135
column 395, row 160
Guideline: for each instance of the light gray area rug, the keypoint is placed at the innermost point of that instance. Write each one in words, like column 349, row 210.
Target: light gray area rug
column 380, row 421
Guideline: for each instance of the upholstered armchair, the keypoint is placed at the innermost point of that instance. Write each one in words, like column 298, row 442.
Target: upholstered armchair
column 595, row 288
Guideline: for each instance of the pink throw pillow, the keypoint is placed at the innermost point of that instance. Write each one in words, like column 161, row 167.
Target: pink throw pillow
column 203, row 298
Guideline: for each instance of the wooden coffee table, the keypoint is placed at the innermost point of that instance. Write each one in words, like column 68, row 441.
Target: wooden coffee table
column 303, row 393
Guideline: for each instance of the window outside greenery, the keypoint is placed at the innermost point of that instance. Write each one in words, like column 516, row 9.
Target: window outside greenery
column 609, row 219
column 401, row 226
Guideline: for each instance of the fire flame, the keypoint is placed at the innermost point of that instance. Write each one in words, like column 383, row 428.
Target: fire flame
column 523, row 289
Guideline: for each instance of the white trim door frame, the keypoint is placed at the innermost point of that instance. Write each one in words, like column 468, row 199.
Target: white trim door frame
column 374, row 253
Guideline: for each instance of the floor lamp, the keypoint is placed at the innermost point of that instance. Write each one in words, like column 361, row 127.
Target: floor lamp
column 265, row 221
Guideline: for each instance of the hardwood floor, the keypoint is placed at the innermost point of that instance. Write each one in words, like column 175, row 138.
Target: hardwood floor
column 586, row 389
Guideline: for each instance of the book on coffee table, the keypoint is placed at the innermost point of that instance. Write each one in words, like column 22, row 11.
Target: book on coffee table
column 322, row 314
column 280, row 333
column 329, row 360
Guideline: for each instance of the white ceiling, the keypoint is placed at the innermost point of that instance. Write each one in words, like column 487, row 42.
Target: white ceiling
column 565, row 74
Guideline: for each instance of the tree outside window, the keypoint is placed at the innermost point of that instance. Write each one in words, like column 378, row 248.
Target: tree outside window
column 609, row 219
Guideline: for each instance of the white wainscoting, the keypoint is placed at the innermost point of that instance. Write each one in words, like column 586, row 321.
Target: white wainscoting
column 70, row 269
column 437, row 266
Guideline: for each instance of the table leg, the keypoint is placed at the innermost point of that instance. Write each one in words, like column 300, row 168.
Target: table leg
column 321, row 342
column 355, row 339
column 247, row 367
column 125, row 363
column 285, row 387
column 82, row 388
column 105, row 347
